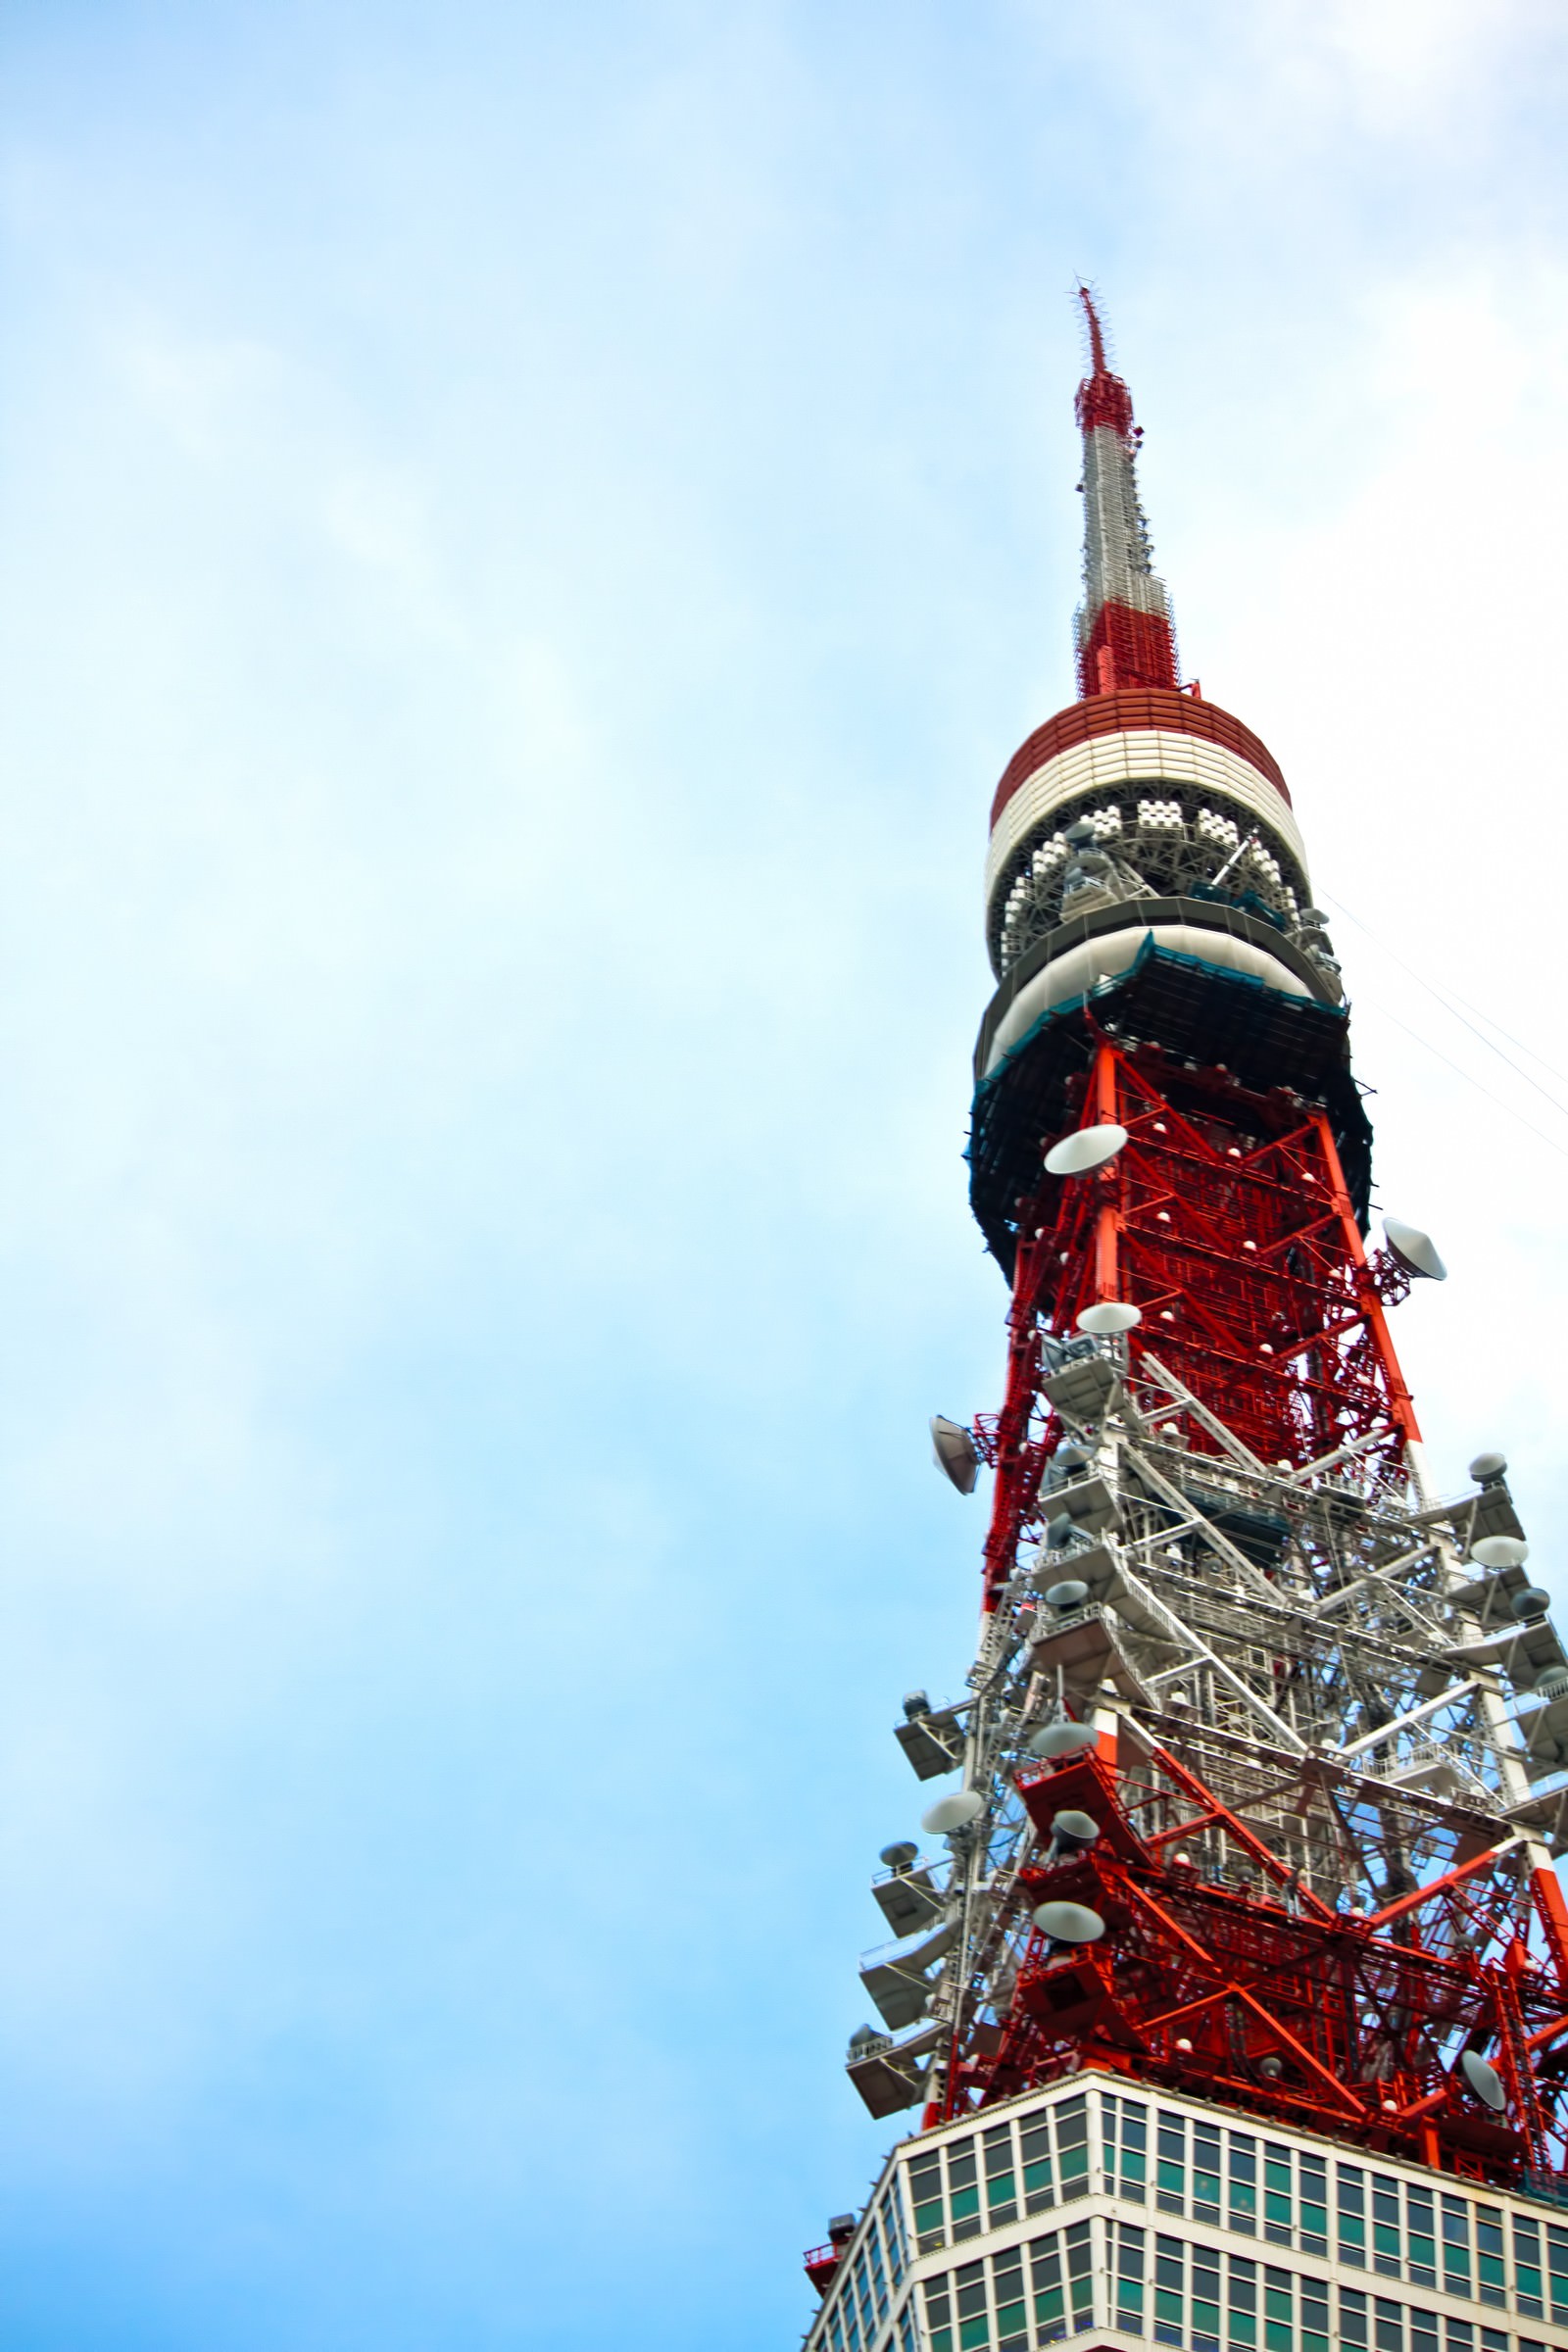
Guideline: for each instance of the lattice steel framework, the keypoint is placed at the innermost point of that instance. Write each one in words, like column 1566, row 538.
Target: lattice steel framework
column 1287, row 1729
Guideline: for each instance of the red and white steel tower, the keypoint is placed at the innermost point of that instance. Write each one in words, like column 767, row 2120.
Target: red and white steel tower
column 1259, row 1775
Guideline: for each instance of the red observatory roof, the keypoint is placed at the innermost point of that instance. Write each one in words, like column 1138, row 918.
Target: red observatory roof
column 1136, row 707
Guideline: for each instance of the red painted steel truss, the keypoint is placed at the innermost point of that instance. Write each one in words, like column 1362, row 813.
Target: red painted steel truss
column 1226, row 1221
column 1267, row 1998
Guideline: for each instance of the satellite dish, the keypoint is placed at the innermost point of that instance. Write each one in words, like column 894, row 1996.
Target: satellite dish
column 1069, row 1922
column 952, row 1812
column 900, row 1854
column 953, row 1449
column 1068, row 1595
column 1414, row 1250
column 1110, row 1315
column 1487, row 1466
column 1484, row 2079
column 1080, row 1154
column 1501, row 1551
column 1062, row 1738
column 1074, row 1831
column 1531, row 1601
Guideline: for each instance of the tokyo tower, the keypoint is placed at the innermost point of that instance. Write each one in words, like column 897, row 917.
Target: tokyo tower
column 1228, row 1995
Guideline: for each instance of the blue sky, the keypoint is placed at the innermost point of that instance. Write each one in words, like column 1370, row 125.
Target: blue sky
column 529, row 536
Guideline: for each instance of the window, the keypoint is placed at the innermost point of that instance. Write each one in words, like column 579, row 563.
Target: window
column 1242, row 2302
column 1278, row 2209
column 879, row 2283
column 1314, row 2193
column 1126, row 2132
column 909, row 2340
column 1205, row 2300
column 1080, row 2277
column 1557, row 2271
column 964, row 2194
column 1461, row 2337
column 1130, row 2278
column 1527, row 2266
column 1388, row 2320
column 1279, row 2311
column 1425, row 2329
column 1314, row 2315
column 974, row 2326
column 1421, row 2236
column 938, row 2313
column 1012, row 2312
column 1388, row 2250
column 1206, row 2171
column 1002, row 2181
column 1490, row 2275
column 1072, row 2146
column 1353, row 2316
column 1244, row 2182
column 1171, row 2162
column 925, row 2195
column 1456, row 2245
column 1049, row 2285
column 1169, row 2281
column 1352, row 2214
column 1038, row 2191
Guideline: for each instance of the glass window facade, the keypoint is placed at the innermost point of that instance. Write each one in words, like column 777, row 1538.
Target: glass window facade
column 1133, row 2273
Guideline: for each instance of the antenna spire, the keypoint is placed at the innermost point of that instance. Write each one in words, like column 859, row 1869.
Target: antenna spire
column 1123, row 626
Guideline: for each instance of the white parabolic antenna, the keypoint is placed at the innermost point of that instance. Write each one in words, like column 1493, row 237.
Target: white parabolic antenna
column 952, row 1812
column 1069, row 1594
column 954, row 1451
column 1501, row 1551
column 1414, row 1250
column 1484, row 2079
column 1062, row 1739
column 1088, row 1149
column 1109, row 1316
column 1070, row 1923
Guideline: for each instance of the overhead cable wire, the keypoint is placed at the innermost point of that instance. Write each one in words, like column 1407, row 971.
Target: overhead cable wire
column 1453, row 1007
column 1460, row 1073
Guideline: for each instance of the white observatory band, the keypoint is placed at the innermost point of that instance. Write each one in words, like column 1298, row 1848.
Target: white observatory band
column 1145, row 757
column 1075, row 974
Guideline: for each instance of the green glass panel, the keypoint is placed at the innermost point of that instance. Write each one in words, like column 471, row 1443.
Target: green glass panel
column 964, row 2202
column 973, row 2333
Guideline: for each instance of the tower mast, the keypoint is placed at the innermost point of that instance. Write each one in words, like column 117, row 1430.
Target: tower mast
column 1259, row 1775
